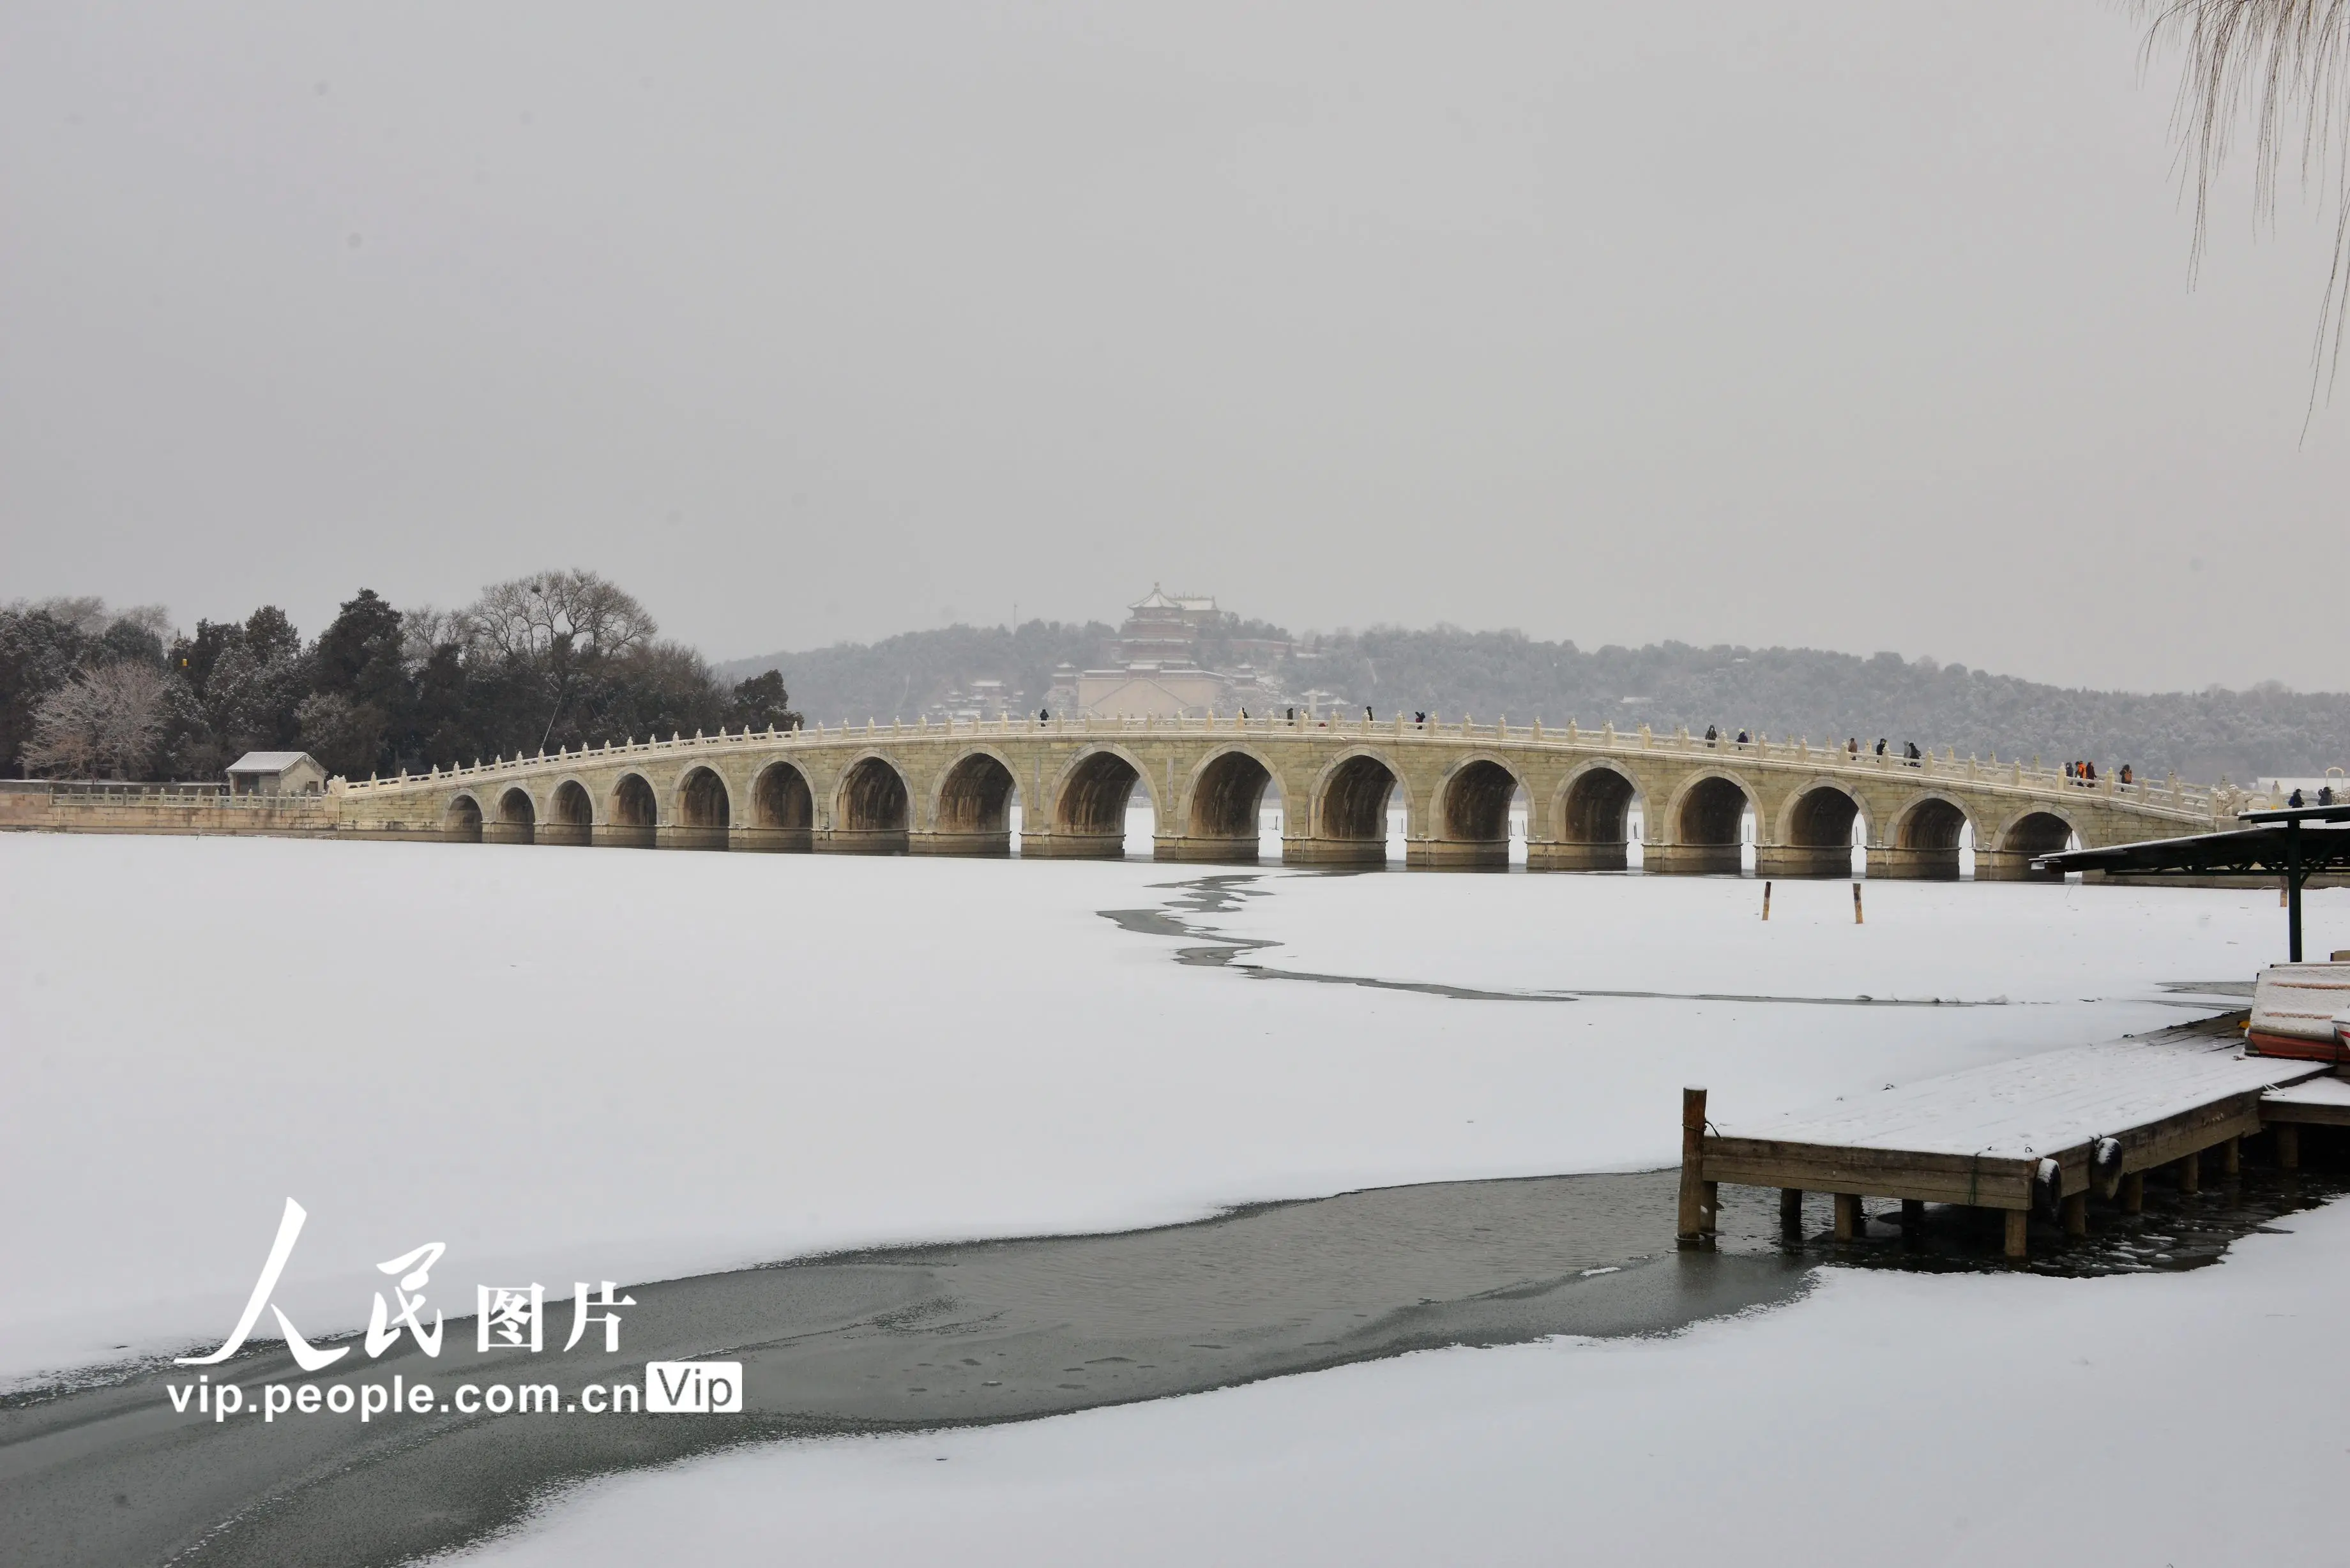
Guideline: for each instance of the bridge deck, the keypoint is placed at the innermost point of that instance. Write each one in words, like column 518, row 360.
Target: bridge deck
column 1980, row 1136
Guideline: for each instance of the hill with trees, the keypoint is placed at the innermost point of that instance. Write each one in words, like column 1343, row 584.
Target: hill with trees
column 1780, row 691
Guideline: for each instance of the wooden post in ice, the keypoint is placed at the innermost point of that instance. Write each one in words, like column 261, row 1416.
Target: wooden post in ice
column 1766, row 900
column 2288, row 1146
column 2018, row 1222
column 1696, row 1200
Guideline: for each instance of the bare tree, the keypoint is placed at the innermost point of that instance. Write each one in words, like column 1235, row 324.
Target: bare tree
column 103, row 723
column 557, row 623
column 85, row 613
column 424, row 629
column 2285, row 66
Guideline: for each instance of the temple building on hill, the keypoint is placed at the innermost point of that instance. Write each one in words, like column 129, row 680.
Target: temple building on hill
column 1158, row 671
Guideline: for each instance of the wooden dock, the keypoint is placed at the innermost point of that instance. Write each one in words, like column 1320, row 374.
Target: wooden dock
column 2040, row 1132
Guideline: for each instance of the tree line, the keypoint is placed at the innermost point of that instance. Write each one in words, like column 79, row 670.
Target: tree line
column 559, row 659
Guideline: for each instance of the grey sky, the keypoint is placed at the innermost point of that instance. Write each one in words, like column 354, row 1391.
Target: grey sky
column 1856, row 325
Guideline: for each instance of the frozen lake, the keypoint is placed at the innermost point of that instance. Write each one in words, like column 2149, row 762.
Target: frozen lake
column 583, row 1063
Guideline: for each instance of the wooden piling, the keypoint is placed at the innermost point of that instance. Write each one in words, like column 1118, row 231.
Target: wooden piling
column 2019, row 1223
column 2191, row 1174
column 1850, row 1222
column 2231, row 1157
column 2077, row 1215
column 1791, row 1208
column 2288, row 1138
column 2134, row 1192
column 1766, row 900
column 1694, row 1217
column 1913, row 1211
column 1855, row 906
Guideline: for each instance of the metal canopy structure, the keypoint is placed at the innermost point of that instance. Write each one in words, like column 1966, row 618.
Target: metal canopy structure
column 2286, row 845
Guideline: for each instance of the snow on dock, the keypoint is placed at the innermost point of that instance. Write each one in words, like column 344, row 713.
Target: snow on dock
column 2319, row 1101
column 2041, row 1131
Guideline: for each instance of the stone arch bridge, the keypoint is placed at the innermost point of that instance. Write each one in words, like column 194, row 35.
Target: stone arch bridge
column 949, row 789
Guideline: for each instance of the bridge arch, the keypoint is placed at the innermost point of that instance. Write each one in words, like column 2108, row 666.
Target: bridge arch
column 1707, row 808
column 632, row 802
column 703, row 800
column 2031, row 832
column 1090, row 797
column 975, row 794
column 1224, row 799
column 517, row 820
column 1351, row 796
column 1819, row 815
column 2038, row 830
column 1470, row 811
column 570, row 815
column 462, row 822
column 571, row 805
column 1812, row 836
column 1701, row 830
column 1590, row 825
column 1923, row 840
column 869, row 809
column 781, row 797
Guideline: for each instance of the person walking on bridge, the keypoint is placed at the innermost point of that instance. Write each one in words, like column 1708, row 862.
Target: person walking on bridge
column 1711, row 734
column 1852, row 747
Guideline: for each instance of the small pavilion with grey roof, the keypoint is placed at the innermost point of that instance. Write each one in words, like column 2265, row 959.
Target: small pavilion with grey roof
column 277, row 773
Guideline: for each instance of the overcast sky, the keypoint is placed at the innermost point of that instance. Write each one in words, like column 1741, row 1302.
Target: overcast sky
column 1859, row 325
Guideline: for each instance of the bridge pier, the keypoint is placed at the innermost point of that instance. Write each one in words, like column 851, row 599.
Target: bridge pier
column 570, row 834
column 677, row 837
column 1457, row 853
column 2015, row 865
column 771, row 840
column 1692, row 859
column 862, row 841
column 1790, row 862
column 1072, row 846
column 1306, row 851
column 621, row 835
column 1200, row 849
column 1914, row 865
column 951, row 841
column 506, row 833
column 1614, row 857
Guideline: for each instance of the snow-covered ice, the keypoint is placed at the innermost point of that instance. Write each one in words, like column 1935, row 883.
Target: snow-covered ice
column 2191, row 1419
column 590, row 1064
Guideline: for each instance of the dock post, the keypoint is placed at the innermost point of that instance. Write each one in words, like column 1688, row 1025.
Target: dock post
column 1766, row 900
column 1856, row 905
column 1791, row 1209
column 1696, row 1215
column 2288, row 1138
column 1850, row 1222
column 2191, row 1174
column 2018, row 1229
column 1913, row 1212
column 2134, row 1192
column 2231, row 1157
column 2077, row 1215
